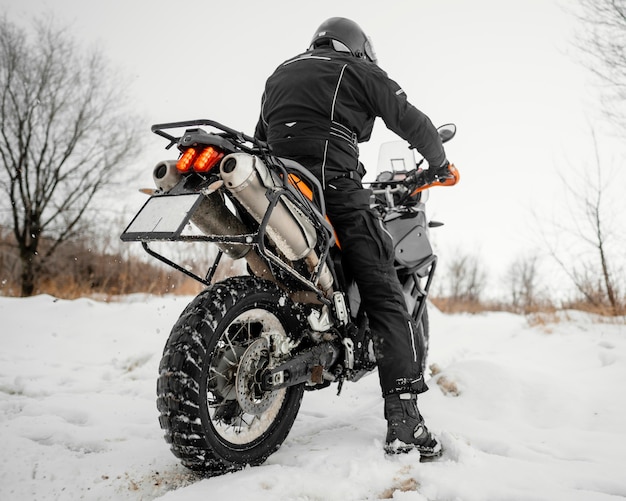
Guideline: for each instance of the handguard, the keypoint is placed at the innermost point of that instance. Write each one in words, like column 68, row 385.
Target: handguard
column 449, row 177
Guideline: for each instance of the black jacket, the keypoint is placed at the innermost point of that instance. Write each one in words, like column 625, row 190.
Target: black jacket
column 319, row 105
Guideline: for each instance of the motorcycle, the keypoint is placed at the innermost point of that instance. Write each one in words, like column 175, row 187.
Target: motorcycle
column 241, row 355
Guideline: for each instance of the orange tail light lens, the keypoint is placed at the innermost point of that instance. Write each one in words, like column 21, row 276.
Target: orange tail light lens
column 207, row 159
column 186, row 160
column 201, row 161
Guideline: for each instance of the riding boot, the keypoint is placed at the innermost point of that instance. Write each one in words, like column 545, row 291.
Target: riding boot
column 406, row 430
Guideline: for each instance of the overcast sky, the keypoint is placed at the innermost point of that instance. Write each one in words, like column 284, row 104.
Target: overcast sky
column 504, row 71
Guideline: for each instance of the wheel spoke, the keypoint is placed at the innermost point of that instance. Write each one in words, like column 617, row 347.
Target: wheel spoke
column 230, row 344
column 237, row 341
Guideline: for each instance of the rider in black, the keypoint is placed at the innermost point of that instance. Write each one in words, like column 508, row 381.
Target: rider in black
column 316, row 108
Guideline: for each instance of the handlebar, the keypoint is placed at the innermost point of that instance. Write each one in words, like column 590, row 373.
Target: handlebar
column 417, row 180
column 398, row 185
column 399, row 188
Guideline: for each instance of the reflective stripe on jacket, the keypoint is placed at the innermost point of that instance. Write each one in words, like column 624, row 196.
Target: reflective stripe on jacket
column 319, row 105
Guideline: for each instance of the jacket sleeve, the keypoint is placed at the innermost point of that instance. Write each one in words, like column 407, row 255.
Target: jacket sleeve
column 386, row 99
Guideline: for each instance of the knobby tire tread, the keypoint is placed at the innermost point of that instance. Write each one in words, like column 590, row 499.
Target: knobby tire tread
column 180, row 373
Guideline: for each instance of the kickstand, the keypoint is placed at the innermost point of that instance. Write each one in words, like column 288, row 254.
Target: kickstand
column 340, row 385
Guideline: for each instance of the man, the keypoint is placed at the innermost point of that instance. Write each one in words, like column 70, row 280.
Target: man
column 316, row 108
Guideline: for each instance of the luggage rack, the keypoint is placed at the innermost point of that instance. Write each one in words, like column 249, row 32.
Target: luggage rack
column 150, row 226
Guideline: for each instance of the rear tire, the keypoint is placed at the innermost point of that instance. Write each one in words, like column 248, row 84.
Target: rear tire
column 214, row 414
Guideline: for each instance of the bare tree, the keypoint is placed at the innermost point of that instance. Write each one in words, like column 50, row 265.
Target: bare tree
column 591, row 255
column 602, row 41
column 64, row 136
column 464, row 279
column 523, row 279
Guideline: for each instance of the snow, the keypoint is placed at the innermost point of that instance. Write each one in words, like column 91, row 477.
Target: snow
column 525, row 412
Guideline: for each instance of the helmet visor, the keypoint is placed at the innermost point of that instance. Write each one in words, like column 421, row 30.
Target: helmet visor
column 370, row 53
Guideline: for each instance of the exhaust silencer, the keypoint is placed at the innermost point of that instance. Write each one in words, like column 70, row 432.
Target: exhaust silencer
column 248, row 179
column 290, row 230
column 165, row 175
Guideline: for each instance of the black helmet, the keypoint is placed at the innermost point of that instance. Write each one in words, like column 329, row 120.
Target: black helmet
column 344, row 35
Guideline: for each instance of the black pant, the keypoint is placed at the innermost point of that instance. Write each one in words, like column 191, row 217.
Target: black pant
column 367, row 253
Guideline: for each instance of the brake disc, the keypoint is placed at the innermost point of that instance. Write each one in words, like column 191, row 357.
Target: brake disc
column 251, row 398
column 224, row 373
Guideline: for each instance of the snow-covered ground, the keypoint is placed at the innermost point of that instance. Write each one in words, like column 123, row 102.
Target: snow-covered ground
column 524, row 413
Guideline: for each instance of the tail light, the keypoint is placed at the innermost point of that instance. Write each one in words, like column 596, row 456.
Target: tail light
column 207, row 159
column 186, row 160
column 200, row 160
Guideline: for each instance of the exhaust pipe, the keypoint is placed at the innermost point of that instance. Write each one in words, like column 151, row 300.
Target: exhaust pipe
column 165, row 175
column 248, row 179
column 289, row 229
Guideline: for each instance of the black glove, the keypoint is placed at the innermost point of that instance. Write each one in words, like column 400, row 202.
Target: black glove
column 441, row 175
column 438, row 174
